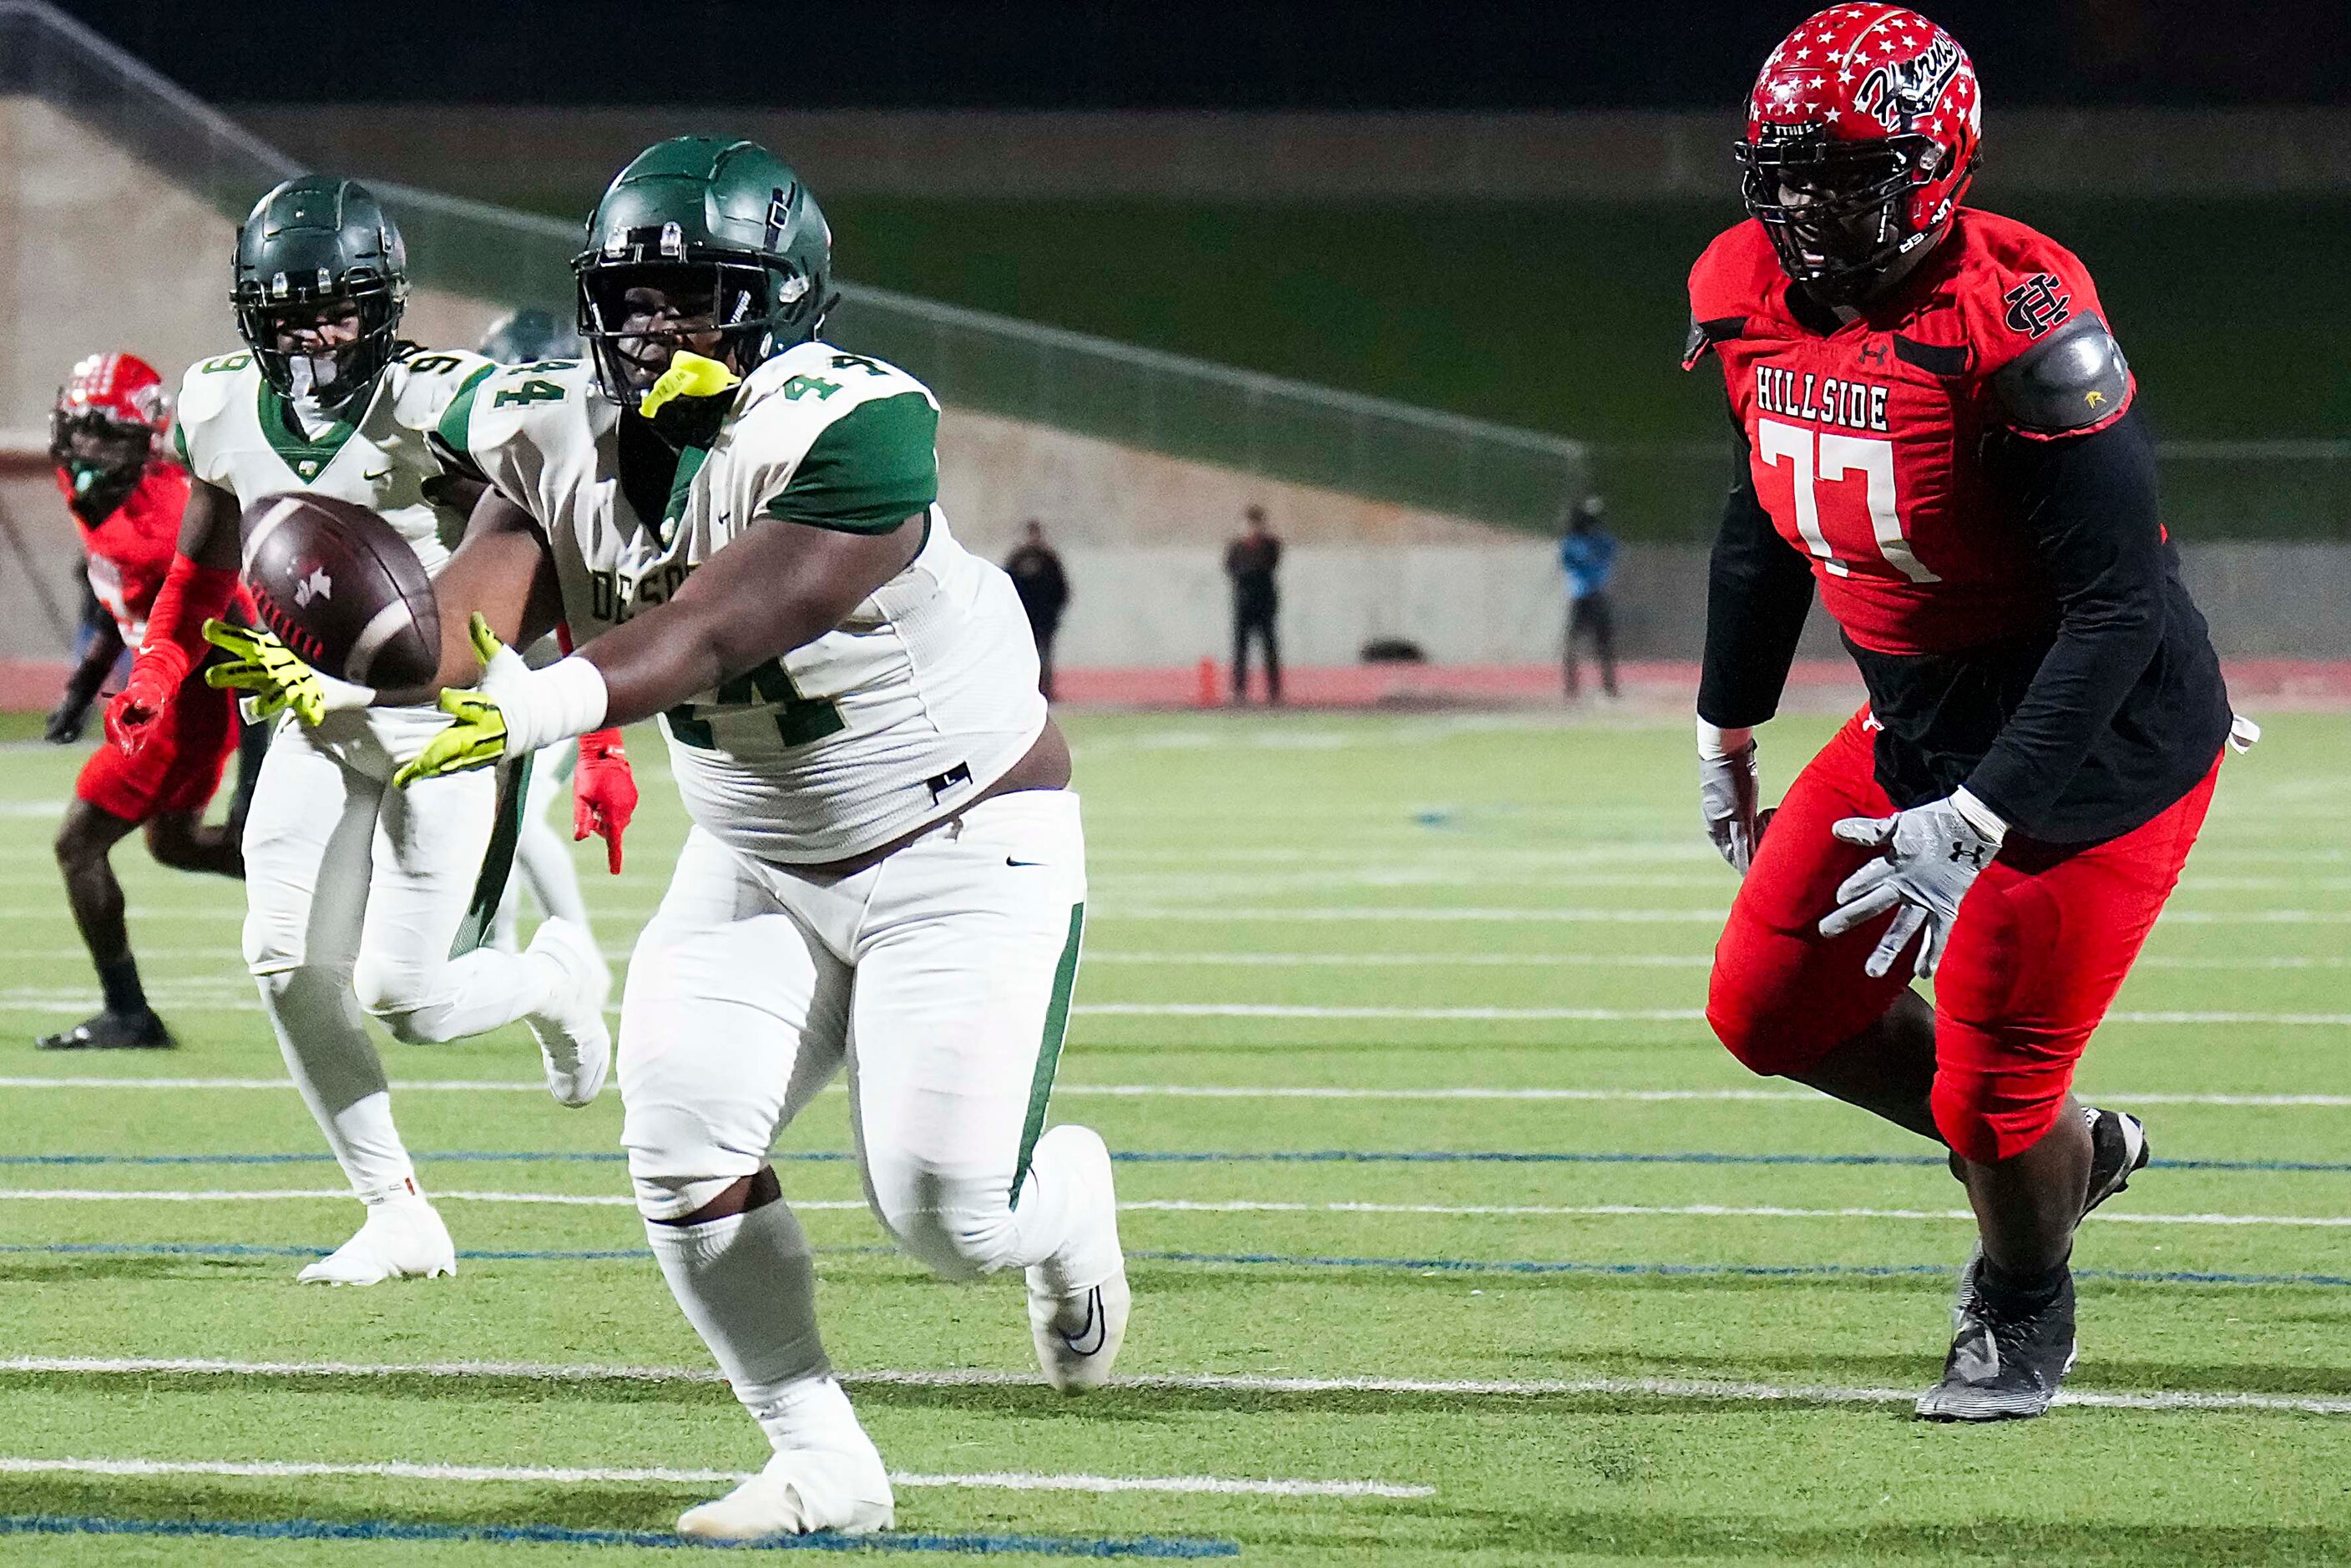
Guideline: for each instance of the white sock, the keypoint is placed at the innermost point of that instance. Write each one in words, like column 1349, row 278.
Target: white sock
column 335, row 1066
column 1060, row 1215
column 748, row 1285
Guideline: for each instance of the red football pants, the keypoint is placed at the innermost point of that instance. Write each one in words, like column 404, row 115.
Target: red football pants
column 2039, row 947
column 177, row 770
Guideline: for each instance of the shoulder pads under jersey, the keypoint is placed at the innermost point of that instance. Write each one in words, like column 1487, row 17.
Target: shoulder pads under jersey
column 2073, row 378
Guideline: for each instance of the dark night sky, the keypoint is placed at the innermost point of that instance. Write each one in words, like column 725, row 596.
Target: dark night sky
column 1184, row 54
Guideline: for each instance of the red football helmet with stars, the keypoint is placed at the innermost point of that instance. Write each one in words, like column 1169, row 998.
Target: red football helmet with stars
column 1862, row 132
column 113, row 395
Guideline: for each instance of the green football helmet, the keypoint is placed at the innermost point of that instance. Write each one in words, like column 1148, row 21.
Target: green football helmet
column 718, row 227
column 519, row 337
column 315, row 241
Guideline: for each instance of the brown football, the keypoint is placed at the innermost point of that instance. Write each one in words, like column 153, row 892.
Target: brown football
column 341, row 588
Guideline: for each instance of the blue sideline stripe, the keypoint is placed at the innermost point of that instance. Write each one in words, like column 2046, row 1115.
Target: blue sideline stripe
column 547, row 1534
column 1245, row 1259
column 1186, row 1157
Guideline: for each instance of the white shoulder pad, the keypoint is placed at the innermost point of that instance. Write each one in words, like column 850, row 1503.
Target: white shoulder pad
column 210, row 389
column 424, row 383
column 512, row 424
column 795, row 397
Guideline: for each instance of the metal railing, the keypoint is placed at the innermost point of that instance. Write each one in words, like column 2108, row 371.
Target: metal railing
column 1164, row 402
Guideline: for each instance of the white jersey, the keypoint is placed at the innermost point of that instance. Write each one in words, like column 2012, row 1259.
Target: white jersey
column 235, row 431
column 922, row 699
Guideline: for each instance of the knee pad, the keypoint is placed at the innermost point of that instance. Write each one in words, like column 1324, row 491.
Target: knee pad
column 669, row 1198
column 1990, row 1116
column 1769, row 1042
column 395, row 996
column 957, row 1235
column 272, row 946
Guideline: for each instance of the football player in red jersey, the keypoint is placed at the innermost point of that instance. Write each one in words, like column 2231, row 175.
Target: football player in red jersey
column 105, row 436
column 1935, row 429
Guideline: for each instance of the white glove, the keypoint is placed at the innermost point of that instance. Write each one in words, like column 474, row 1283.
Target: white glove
column 1729, row 783
column 1933, row 854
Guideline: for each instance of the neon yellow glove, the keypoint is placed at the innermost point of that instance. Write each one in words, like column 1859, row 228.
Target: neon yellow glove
column 476, row 736
column 277, row 678
column 514, row 712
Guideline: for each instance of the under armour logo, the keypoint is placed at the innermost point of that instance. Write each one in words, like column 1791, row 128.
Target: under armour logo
column 1971, row 853
column 318, row 585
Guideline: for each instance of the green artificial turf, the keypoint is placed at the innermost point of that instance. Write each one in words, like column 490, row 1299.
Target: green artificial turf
column 1440, row 903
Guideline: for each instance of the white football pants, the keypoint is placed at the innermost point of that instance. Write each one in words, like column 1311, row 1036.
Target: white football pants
column 354, row 891
column 542, row 858
column 940, row 977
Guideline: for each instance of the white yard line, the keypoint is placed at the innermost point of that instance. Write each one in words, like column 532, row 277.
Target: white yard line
column 1240, row 1382
column 1464, row 1093
column 225, row 953
column 1300, row 1011
column 1601, row 1015
column 1229, row 914
column 1696, row 1210
column 1183, row 1206
column 279, row 1469
column 67, row 1004
column 1412, row 960
column 343, row 1194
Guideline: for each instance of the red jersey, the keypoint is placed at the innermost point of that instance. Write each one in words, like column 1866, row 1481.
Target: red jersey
column 130, row 549
column 1864, row 441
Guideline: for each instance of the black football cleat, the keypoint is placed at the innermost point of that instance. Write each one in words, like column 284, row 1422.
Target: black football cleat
column 2002, row 1368
column 2118, row 1151
column 142, row 1030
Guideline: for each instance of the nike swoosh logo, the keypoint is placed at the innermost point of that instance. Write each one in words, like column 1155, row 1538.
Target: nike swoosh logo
column 376, row 478
column 1009, row 860
column 1097, row 1327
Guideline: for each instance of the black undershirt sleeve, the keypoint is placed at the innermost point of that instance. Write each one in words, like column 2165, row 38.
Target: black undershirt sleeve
column 2089, row 505
column 1758, row 593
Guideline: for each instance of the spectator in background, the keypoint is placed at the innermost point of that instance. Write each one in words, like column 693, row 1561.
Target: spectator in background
column 1587, row 553
column 1044, row 589
column 1251, row 562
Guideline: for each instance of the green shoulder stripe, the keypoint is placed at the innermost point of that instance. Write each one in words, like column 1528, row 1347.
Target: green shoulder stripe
column 180, row 443
column 457, row 419
column 868, row 471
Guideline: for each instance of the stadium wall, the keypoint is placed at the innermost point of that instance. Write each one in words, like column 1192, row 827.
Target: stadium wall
column 97, row 249
column 1504, row 604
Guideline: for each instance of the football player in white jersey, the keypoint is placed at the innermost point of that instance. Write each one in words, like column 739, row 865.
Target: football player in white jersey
column 355, row 891
column 597, row 766
column 886, row 871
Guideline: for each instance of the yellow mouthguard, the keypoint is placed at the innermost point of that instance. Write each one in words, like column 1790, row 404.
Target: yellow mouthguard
column 689, row 375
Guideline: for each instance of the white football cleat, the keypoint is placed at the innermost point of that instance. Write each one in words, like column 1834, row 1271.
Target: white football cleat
column 399, row 1242
column 575, row 1043
column 1078, row 1329
column 801, row 1491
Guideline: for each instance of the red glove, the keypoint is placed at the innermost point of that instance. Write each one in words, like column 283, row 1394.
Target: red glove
column 603, row 792
column 174, row 641
column 148, row 690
